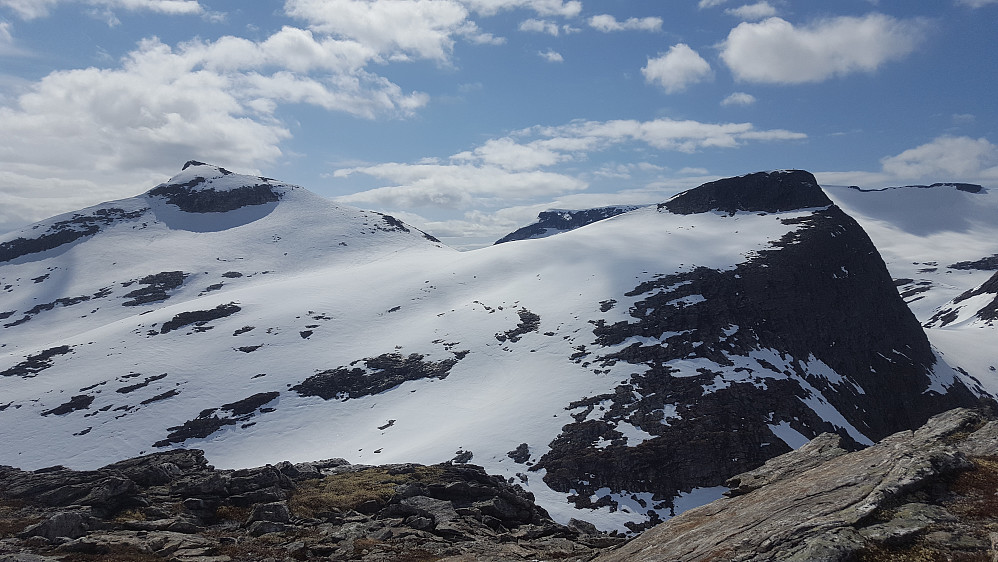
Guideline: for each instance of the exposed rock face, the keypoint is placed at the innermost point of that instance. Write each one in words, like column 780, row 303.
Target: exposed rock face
column 174, row 505
column 929, row 491
column 821, row 302
column 769, row 192
column 192, row 199
column 62, row 232
column 559, row 220
column 380, row 374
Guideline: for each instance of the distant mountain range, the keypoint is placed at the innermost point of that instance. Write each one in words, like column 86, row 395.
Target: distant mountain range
column 620, row 370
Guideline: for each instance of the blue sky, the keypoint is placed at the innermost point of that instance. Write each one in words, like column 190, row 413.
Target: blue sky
column 467, row 117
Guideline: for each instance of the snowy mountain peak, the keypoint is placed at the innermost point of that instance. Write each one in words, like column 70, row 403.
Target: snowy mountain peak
column 204, row 188
column 771, row 192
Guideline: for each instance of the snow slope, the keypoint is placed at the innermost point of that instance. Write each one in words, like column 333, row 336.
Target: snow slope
column 922, row 232
column 266, row 323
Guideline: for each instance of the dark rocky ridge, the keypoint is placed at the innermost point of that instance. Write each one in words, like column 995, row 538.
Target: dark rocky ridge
column 821, row 293
column 173, row 505
column 769, row 192
column 211, row 201
column 967, row 187
column 564, row 220
column 989, row 263
column 64, row 232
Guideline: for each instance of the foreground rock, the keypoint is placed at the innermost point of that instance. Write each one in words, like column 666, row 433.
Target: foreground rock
column 930, row 494
column 174, row 506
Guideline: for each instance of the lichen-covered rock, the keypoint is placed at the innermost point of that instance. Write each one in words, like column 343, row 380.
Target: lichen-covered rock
column 820, row 504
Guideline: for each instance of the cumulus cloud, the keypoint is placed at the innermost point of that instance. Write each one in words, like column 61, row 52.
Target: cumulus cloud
column 738, row 98
column 710, row 3
column 540, row 26
column 607, row 23
column 551, row 56
column 677, row 69
column 946, row 157
column 569, row 9
column 751, row 12
column 163, row 104
column 775, row 51
column 424, row 29
column 31, row 9
column 455, row 185
column 397, row 28
column 506, row 153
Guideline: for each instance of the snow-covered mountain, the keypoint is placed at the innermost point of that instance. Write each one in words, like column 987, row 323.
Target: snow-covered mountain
column 619, row 371
column 940, row 243
column 556, row 221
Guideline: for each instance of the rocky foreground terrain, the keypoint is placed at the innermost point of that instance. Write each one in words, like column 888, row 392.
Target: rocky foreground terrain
column 174, row 506
column 929, row 494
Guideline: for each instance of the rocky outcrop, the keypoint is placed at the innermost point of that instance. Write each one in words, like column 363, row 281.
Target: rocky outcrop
column 768, row 192
column 192, row 197
column 381, row 373
column 173, row 505
column 927, row 494
column 561, row 220
column 66, row 231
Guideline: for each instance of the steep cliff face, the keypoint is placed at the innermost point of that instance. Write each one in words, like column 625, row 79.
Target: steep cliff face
column 806, row 336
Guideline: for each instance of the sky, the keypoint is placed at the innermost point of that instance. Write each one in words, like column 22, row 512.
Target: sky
column 468, row 117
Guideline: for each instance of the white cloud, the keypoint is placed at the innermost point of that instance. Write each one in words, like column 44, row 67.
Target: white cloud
column 666, row 134
column 694, row 171
column 569, row 9
column 163, row 105
column 455, row 185
column 511, row 168
column 551, row 56
column 607, row 23
column 396, row 28
column 677, row 69
column 31, row 9
column 508, row 154
column 964, row 118
column 710, row 3
column 777, row 52
column 946, row 158
column 425, row 29
column 976, row 3
column 540, row 26
column 738, row 98
column 752, row 12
